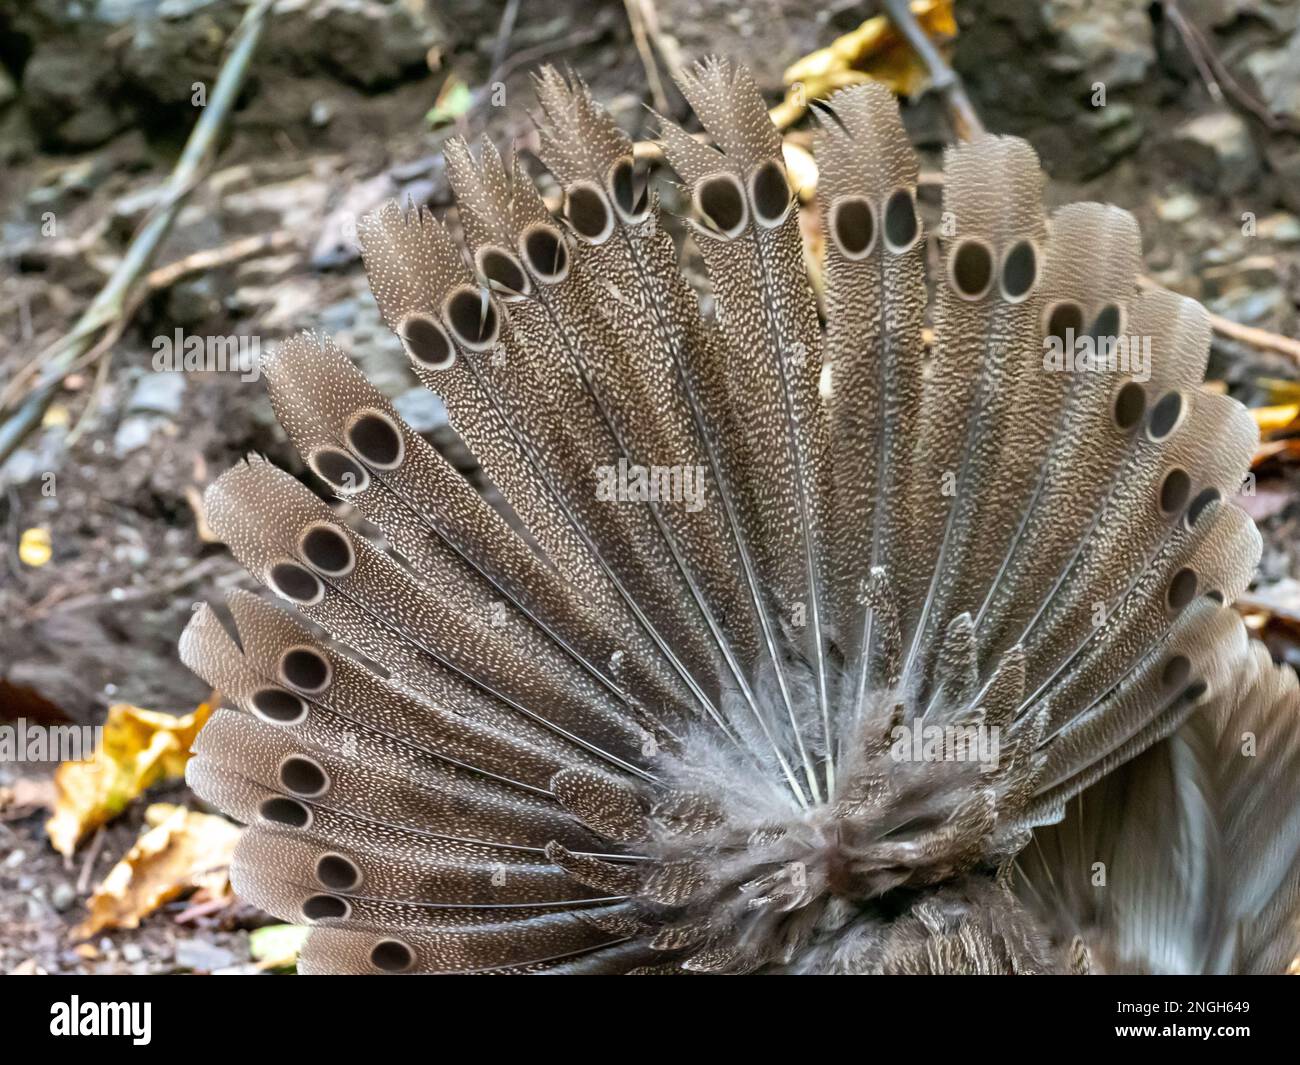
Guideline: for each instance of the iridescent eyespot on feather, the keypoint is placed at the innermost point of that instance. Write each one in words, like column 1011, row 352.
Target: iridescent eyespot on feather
column 327, row 550
column 720, row 201
column 1176, row 672
column 426, row 342
column 337, row 872
column 303, row 776
column 1063, row 322
column 853, row 227
column 901, row 228
column 471, row 316
column 294, row 582
column 1129, row 406
column 324, row 907
column 503, row 272
column 289, row 813
column 392, row 956
column 339, row 470
column 631, row 203
column 375, row 438
column 1181, row 590
column 545, row 253
column 769, row 193
column 970, row 269
column 1109, row 323
column 1204, row 498
column 276, row 706
column 588, row 212
column 1175, row 490
column 1165, row 416
column 306, row 669
column 1019, row 272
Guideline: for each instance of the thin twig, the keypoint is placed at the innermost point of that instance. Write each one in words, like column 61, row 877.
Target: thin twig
column 1251, row 335
column 160, row 280
column 965, row 118
column 665, row 44
column 538, row 52
column 504, row 31
column 201, row 262
column 1219, row 81
column 201, row 570
column 88, row 863
column 1193, row 45
column 109, row 306
column 636, row 19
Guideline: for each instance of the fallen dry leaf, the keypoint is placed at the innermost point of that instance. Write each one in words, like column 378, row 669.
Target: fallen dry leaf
column 140, row 748
column 1279, row 390
column 1285, row 450
column 182, row 851
column 26, row 796
column 801, row 168
column 1276, row 418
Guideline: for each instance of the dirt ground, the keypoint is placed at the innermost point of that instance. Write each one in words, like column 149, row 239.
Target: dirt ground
column 310, row 150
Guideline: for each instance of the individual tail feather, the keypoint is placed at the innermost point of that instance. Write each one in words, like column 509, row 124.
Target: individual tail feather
column 876, row 301
column 986, row 324
column 748, row 234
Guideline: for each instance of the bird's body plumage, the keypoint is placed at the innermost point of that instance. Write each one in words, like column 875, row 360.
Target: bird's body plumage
column 765, row 672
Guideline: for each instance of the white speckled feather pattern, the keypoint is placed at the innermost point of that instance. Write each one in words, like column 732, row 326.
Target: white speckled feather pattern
column 752, row 678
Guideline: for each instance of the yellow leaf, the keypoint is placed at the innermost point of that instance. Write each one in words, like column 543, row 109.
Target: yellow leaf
column 1275, row 419
column 181, row 851
column 453, row 100
column 277, row 946
column 1279, row 390
column 874, row 51
column 801, row 168
column 140, row 748
column 34, row 547
column 55, row 414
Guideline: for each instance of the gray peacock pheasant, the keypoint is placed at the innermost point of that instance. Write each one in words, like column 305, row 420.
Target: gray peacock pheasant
column 809, row 642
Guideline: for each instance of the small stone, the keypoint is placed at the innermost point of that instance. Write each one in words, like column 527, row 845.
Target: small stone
column 133, row 433
column 1218, row 150
column 132, row 953
column 197, row 955
column 1178, row 208
column 1252, row 306
column 63, row 896
column 421, row 410
column 192, row 302
column 1282, row 228
column 1277, row 73
column 159, row 393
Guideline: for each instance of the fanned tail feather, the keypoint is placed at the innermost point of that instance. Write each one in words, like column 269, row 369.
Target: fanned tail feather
column 679, row 712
